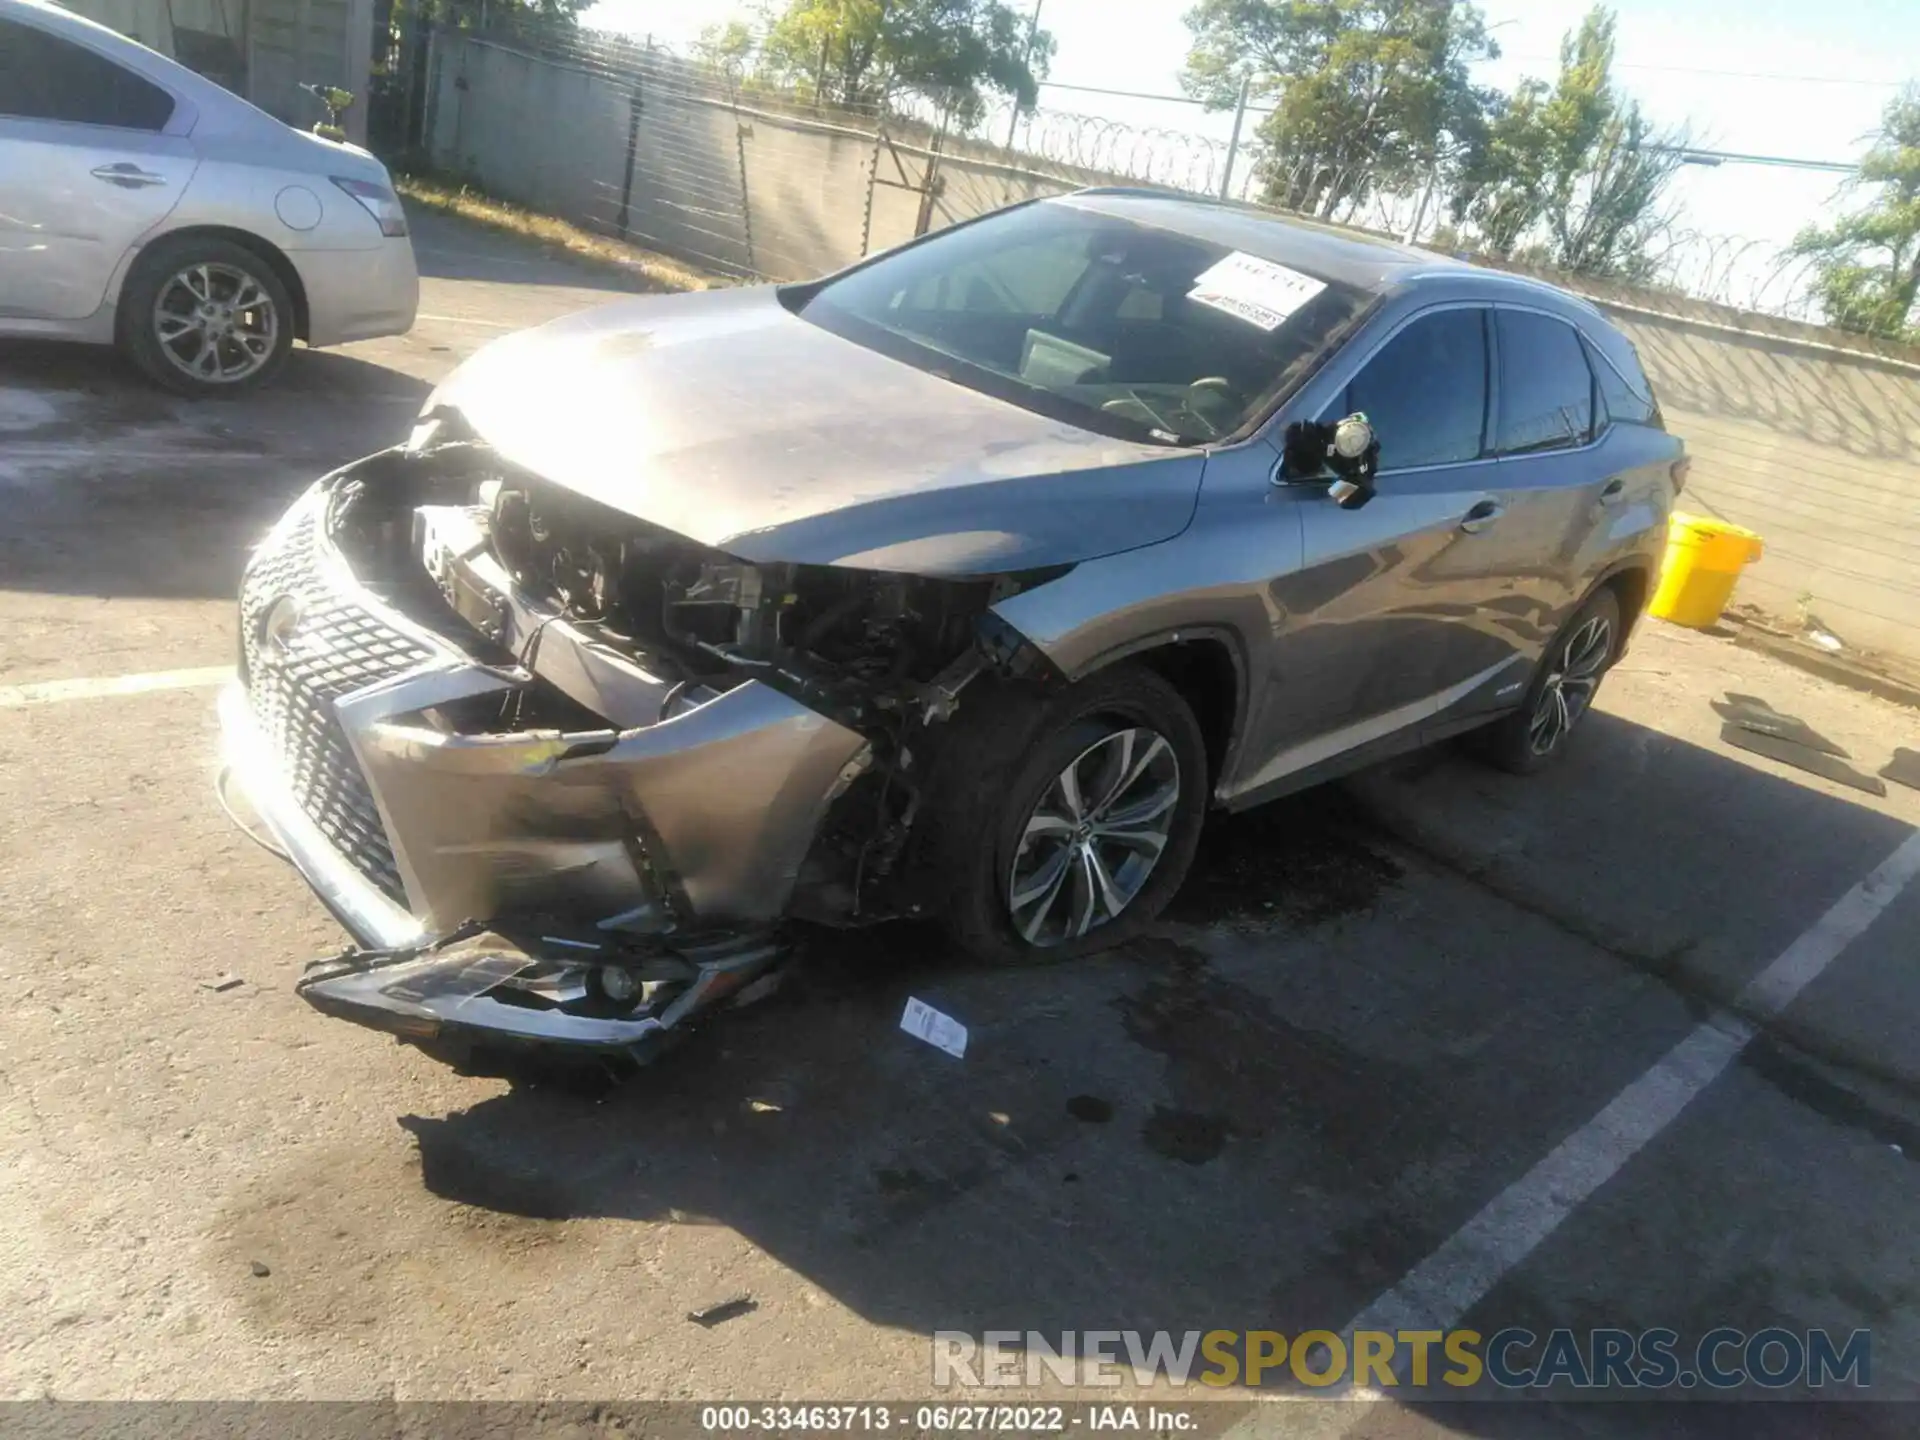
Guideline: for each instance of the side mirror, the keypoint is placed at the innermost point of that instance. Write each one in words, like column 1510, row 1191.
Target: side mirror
column 1348, row 448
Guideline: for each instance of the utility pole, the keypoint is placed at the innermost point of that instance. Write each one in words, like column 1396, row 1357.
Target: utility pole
column 1412, row 236
column 1026, row 58
column 1233, row 145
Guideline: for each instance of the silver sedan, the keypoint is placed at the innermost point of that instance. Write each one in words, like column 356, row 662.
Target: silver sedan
column 146, row 207
column 960, row 584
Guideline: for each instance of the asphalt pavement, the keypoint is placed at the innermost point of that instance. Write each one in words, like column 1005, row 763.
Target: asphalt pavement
column 1405, row 1046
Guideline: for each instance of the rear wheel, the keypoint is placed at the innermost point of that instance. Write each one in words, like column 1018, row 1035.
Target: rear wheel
column 205, row 317
column 1568, row 677
column 1079, row 821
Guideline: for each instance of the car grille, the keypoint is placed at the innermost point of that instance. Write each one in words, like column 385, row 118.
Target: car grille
column 338, row 648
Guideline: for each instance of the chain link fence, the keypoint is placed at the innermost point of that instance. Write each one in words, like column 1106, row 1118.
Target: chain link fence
column 702, row 163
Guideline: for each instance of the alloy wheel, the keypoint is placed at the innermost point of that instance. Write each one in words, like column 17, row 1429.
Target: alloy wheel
column 1570, row 684
column 1094, row 837
column 215, row 323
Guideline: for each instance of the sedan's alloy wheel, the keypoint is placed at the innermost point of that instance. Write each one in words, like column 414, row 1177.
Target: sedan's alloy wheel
column 1094, row 837
column 215, row 323
column 1570, row 684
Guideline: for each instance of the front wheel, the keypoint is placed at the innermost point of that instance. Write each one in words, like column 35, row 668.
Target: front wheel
column 1564, row 684
column 1079, row 821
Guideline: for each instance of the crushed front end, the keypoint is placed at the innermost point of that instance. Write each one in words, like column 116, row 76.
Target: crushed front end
column 561, row 773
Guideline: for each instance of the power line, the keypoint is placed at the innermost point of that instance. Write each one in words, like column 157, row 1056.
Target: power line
column 1786, row 77
column 1777, row 76
column 1129, row 94
column 1146, row 95
column 1689, row 155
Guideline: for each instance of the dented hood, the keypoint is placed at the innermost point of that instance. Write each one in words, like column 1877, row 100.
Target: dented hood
column 725, row 418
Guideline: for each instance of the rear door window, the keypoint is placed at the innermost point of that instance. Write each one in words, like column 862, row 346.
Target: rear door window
column 44, row 77
column 1426, row 391
column 1546, row 389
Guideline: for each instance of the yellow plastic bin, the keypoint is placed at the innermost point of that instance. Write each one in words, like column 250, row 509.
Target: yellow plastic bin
column 1704, row 560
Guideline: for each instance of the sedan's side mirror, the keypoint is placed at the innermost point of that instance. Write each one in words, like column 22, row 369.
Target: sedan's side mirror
column 1348, row 448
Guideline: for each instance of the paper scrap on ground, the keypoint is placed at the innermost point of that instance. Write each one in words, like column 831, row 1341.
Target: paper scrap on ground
column 1255, row 290
column 923, row 1022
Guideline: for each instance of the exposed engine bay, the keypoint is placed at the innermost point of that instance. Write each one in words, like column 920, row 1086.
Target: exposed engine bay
column 563, row 773
column 852, row 643
column 442, row 531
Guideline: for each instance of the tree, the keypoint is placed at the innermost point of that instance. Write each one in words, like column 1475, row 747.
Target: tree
column 1867, row 266
column 1368, row 94
column 1571, row 175
column 862, row 53
column 725, row 47
column 500, row 14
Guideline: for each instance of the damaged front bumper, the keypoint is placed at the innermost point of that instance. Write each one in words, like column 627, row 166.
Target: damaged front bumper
column 669, row 834
column 471, row 995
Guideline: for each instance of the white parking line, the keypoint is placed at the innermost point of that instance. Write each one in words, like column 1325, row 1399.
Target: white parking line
column 66, row 451
column 46, row 692
column 470, row 320
column 1435, row 1294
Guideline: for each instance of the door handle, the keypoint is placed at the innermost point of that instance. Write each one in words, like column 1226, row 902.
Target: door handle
column 127, row 175
column 1481, row 516
column 1613, row 492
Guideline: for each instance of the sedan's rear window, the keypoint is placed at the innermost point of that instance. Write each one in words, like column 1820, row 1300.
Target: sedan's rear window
column 1115, row 326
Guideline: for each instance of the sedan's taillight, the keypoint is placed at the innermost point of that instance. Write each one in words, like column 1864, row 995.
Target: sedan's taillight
column 1679, row 472
column 379, row 201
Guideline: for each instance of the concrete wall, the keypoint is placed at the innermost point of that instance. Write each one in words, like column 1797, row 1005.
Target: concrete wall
column 320, row 42
column 282, row 42
column 1809, row 436
column 744, row 185
column 148, row 21
column 1818, row 451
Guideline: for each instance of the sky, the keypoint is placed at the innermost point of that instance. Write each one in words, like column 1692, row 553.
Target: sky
column 1805, row 79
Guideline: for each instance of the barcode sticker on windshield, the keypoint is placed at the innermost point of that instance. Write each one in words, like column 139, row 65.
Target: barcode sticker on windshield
column 1255, row 290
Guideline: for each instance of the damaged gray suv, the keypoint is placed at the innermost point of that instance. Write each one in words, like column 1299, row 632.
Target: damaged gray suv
column 960, row 584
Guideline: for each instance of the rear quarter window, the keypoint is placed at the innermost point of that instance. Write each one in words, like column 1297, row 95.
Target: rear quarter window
column 1627, row 396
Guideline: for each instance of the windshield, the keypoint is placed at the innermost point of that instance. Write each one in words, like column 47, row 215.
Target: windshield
column 1114, row 326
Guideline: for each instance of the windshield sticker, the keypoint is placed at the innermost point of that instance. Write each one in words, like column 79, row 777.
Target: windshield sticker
column 1257, row 291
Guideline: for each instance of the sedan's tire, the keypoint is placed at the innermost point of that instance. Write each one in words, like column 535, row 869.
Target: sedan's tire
column 205, row 317
column 1066, row 823
column 1568, row 677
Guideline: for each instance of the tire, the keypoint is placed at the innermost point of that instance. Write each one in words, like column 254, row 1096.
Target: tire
column 1529, row 740
column 1011, row 758
column 190, row 285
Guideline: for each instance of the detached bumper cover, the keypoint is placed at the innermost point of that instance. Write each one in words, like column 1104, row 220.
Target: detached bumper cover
column 489, row 991
column 339, row 737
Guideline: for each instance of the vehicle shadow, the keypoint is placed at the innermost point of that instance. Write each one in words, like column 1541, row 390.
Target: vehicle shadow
column 100, row 374
column 1260, row 1117
column 113, row 487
